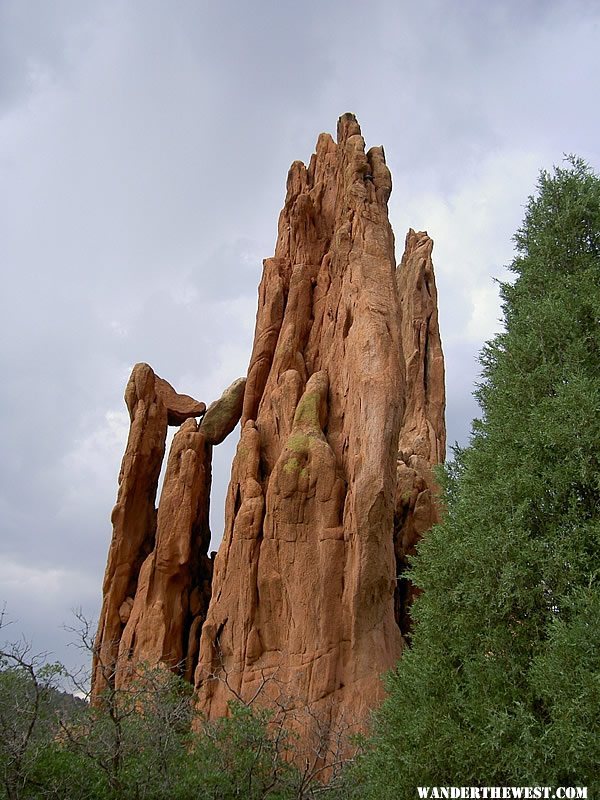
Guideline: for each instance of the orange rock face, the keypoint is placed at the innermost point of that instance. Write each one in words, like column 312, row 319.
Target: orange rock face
column 304, row 582
column 422, row 441
column 173, row 588
column 157, row 580
column 331, row 486
column 179, row 406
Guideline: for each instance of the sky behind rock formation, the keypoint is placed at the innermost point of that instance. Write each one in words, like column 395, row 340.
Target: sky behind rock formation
column 143, row 155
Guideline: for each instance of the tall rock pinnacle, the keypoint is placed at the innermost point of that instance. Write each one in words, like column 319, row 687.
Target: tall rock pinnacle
column 422, row 442
column 158, row 576
column 342, row 419
column 304, row 581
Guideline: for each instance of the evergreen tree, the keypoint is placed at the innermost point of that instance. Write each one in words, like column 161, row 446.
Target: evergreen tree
column 502, row 683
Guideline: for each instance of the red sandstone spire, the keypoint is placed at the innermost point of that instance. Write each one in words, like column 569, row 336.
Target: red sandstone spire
column 331, row 486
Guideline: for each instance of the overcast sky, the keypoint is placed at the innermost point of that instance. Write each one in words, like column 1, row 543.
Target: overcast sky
column 144, row 147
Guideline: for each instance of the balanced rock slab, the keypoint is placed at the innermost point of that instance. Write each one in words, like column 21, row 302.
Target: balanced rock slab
column 224, row 414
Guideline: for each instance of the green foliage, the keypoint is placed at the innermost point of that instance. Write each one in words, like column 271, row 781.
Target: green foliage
column 145, row 741
column 27, row 700
column 502, row 684
column 238, row 756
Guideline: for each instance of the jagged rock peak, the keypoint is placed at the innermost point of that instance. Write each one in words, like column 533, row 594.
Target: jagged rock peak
column 331, row 485
column 304, row 578
column 423, row 430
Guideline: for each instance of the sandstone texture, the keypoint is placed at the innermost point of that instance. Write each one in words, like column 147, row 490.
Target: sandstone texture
column 157, row 582
column 173, row 588
column 179, row 406
column 224, row 414
column 422, row 440
column 304, row 581
column 342, row 420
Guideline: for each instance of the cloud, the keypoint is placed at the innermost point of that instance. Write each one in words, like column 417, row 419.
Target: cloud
column 31, row 582
column 87, row 473
column 40, row 604
column 472, row 225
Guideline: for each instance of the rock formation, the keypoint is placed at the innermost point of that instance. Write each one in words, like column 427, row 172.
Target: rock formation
column 342, row 419
column 173, row 588
column 157, row 582
column 304, row 581
column 422, row 441
column 224, row 414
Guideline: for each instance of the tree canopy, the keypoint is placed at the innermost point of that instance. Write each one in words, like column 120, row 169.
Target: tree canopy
column 502, row 683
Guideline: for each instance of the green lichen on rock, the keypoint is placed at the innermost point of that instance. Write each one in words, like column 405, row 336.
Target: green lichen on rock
column 224, row 414
column 291, row 465
column 311, row 409
column 298, row 442
column 307, row 411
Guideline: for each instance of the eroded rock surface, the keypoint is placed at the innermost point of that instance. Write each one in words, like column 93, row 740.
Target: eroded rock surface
column 179, row 551
column 331, row 486
column 305, row 576
column 422, row 440
column 224, row 414
column 173, row 589
column 179, row 406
